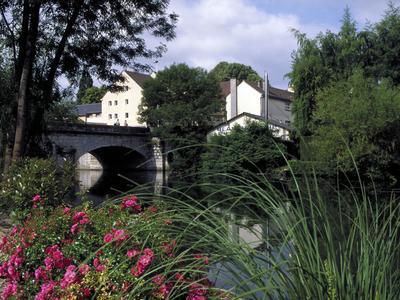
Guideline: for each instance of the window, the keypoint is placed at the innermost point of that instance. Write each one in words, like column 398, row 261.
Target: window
column 287, row 122
column 110, row 116
column 287, row 106
column 126, row 115
column 126, row 101
column 109, row 103
column 115, row 102
column 116, row 116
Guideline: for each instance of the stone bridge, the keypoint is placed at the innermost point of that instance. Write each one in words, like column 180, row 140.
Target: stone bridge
column 115, row 147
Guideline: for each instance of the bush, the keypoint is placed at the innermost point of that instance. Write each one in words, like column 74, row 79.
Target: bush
column 35, row 176
column 113, row 252
column 245, row 150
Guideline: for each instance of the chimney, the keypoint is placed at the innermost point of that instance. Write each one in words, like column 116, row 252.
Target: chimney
column 234, row 102
column 264, row 98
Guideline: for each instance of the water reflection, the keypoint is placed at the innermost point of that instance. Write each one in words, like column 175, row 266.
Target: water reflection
column 101, row 185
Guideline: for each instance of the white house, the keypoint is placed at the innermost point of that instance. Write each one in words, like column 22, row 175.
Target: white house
column 122, row 107
column 246, row 101
column 278, row 129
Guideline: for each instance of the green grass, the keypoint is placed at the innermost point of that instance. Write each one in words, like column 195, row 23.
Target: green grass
column 324, row 242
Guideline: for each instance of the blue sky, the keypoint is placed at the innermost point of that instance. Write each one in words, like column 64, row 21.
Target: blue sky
column 256, row 32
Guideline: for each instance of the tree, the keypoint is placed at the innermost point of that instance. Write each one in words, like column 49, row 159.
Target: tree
column 225, row 71
column 355, row 124
column 244, row 151
column 85, row 83
column 320, row 61
column 330, row 57
column 179, row 105
column 63, row 111
column 93, row 95
column 53, row 38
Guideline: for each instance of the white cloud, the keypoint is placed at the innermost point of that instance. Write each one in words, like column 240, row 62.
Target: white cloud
column 211, row 31
column 247, row 31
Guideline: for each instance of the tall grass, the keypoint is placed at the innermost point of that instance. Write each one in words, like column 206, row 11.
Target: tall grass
column 314, row 244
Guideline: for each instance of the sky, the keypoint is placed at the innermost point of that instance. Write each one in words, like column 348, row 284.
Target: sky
column 256, row 32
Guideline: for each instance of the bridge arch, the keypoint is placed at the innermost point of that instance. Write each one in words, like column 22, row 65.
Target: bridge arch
column 115, row 147
column 117, row 158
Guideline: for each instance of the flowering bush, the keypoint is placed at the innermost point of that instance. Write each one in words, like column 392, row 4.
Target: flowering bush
column 34, row 176
column 118, row 251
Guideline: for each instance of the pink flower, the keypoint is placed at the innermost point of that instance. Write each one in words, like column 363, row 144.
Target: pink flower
column 131, row 202
column 86, row 292
column 45, row 291
column 67, row 210
column 83, row 269
column 69, row 278
column 40, row 274
column 164, row 290
column 120, row 235
column 143, row 262
column 36, row 198
column 98, row 266
column 9, row 290
column 3, row 241
column 49, row 263
column 78, row 215
column 132, row 253
column 108, row 238
column 158, row 279
column 74, row 228
column 14, row 231
column 179, row 277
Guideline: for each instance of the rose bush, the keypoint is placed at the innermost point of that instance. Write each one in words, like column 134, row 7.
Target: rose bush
column 118, row 251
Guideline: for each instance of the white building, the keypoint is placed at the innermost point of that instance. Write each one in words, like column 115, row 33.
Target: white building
column 245, row 101
column 120, row 107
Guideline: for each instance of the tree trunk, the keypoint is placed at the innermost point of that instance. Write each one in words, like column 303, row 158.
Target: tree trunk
column 23, row 90
column 18, row 64
column 37, row 120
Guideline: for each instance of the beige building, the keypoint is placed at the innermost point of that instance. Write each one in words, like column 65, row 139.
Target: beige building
column 117, row 108
column 122, row 107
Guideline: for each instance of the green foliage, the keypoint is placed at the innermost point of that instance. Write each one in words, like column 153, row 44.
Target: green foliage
column 34, row 176
column 93, row 95
column 179, row 105
column 225, row 71
column 331, row 57
column 349, row 122
column 245, row 150
column 85, row 83
column 64, row 111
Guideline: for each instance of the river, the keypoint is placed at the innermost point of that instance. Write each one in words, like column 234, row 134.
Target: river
column 101, row 185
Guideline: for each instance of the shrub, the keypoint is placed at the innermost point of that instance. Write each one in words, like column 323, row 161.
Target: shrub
column 34, row 176
column 118, row 251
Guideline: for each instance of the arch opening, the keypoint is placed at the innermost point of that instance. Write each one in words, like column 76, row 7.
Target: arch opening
column 119, row 158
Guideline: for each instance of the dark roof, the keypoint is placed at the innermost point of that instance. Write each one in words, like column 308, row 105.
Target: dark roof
column 270, row 121
column 139, row 78
column 87, row 109
column 225, row 88
column 273, row 92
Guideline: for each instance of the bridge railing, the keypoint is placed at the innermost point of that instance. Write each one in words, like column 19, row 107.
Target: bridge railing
column 95, row 129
